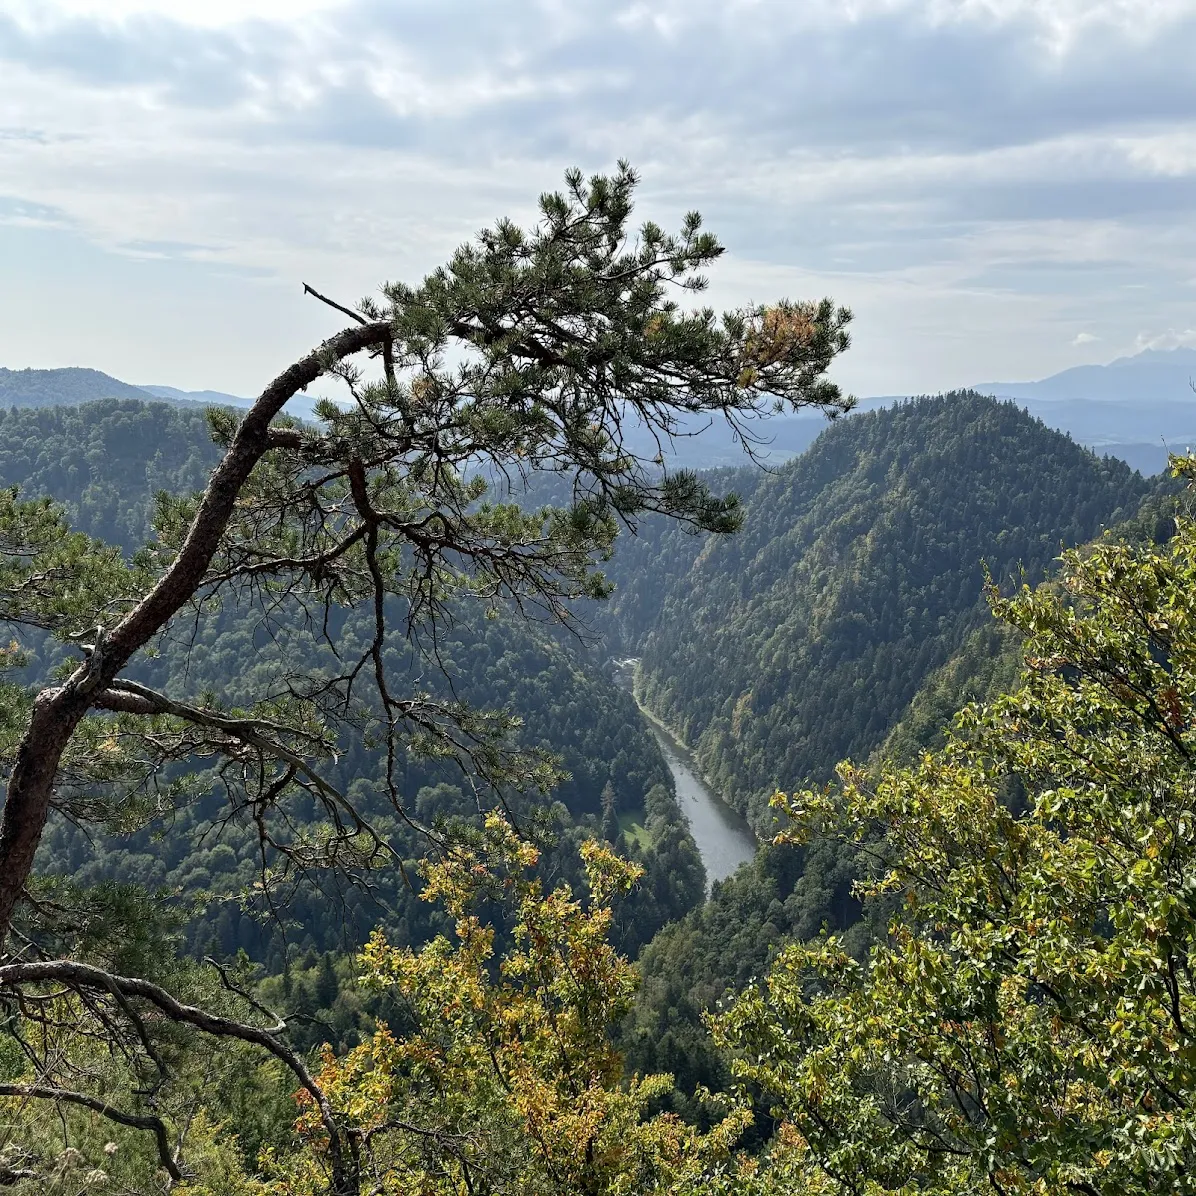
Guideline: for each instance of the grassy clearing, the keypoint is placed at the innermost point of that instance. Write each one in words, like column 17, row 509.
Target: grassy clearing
column 631, row 824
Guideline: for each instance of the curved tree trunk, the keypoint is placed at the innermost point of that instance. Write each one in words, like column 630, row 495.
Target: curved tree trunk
column 58, row 711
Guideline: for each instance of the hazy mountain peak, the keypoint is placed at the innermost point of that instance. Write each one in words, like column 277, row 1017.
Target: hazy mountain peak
column 1180, row 355
column 212, row 397
column 61, row 387
column 1153, row 374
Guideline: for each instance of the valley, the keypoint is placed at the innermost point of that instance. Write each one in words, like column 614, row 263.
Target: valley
column 848, row 618
column 854, row 590
column 724, row 840
column 531, row 663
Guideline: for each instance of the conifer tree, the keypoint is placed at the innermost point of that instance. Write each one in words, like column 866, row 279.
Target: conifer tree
column 531, row 350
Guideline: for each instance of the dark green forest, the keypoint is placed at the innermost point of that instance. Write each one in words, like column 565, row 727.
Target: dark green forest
column 859, row 571
column 105, row 462
column 846, row 619
column 871, row 520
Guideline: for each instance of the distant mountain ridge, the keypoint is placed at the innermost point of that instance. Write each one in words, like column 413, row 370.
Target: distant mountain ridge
column 69, row 386
column 1154, row 374
column 211, row 398
column 1136, row 408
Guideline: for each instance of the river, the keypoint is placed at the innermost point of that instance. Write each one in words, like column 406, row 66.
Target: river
column 724, row 839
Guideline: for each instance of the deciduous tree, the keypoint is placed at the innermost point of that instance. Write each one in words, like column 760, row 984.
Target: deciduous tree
column 507, row 1081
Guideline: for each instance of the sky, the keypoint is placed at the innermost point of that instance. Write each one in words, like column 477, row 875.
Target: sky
column 999, row 189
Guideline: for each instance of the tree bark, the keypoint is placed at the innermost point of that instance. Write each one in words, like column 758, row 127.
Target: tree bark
column 57, row 711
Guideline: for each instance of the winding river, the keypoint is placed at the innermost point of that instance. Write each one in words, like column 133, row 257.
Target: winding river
column 724, row 839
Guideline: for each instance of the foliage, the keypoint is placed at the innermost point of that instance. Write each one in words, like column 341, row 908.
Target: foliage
column 105, row 462
column 205, row 1089
column 674, row 877
column 725, row 945
column 986, row 665
column 1027, row 1025
column 359, row 541
column 881, row 529
column 507, row 1081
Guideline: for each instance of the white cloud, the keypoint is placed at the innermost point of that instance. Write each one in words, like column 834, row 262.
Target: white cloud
column 977, row 177
column 1061, row 22
column 1085, row 338
column 209, row 14
column 1172, row 153
column 1172, row 338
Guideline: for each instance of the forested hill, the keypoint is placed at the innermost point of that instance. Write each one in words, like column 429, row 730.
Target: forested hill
column 105, row 461
column 61, row 387
column 859, row 571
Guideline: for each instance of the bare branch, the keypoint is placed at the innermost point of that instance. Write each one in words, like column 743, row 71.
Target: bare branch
column 345, row 311
column 82, row 977
column 136, row 1121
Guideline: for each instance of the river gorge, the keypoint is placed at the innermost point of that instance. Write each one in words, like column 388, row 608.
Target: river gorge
column 724, row 839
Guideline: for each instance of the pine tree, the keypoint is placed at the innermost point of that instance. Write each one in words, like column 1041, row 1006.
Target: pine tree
column 533, row 350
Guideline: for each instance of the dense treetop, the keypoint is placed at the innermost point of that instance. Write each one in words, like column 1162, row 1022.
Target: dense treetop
column 106, row 461
column 1027, row 1023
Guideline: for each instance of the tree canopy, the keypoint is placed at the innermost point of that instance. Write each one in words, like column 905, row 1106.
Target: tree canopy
column 1027, row 1023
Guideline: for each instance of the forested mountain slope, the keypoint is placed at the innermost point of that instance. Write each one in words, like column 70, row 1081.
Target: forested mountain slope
column 568, row 706
column 858, row 572
column 61, row 387
column 791, row 893
column 988, row 661
column 105, row 461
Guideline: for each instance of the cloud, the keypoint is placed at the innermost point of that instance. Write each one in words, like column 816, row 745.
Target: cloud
column 1085, row 338
column 24, row 214
column 942, row 76
column 1171, row 339
column 210, row 14
column 980, row 149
